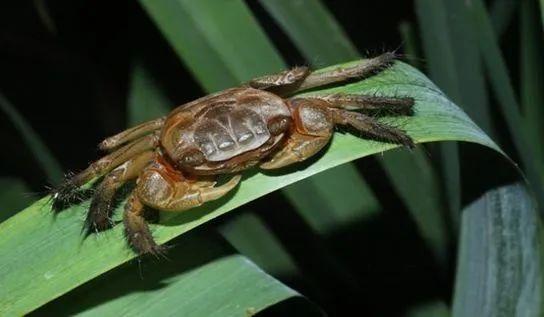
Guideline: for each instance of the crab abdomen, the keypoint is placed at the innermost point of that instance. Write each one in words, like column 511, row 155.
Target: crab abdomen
column 227, row 131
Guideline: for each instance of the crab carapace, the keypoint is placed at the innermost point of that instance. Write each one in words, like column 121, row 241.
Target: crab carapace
column 176, row 159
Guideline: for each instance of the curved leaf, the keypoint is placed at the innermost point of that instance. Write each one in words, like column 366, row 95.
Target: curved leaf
column 180, row 286
column 500, row 256
column 45, row 256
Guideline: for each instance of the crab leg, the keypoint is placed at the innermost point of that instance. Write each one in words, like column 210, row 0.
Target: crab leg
column 371, row 127
column 163, row 188
column 110, row 161
column 131, row 134
column 393, row 105
column 163, row 194
column 287, row 77
column 364, row 68
column 98, row 218
column 65, row 192
column 136, row 229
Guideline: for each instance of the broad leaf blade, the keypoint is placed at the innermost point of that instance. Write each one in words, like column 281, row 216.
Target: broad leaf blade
column 500, row 256
column 180, row 286
column 62, row 260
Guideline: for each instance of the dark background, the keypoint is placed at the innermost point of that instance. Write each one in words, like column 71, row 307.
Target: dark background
column 69, row 81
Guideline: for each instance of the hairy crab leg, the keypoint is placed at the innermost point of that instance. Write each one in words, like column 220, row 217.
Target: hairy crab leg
column 371, row 127
column 131, row 134
column 136, row 229
column 98, row 217
column 390, row 105
column 362, row 69
column 165, row 189
column 66, row 191
column 287, row 77
column 183, row 196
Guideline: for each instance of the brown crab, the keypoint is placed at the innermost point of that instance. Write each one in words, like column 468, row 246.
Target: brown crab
column 175, row 159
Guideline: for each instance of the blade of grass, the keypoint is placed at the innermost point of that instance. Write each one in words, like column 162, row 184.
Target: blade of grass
column 467, row 62
column 532, row 78
column 542, row 11
column 145, row 100
column 14, row 196
column 180, row 286
column 62, row 260
column 499, row 269
column 502, row 12
column 250, row 236
column 44, row 157
column 439, row 55
column 299, row 18
column 219, row 41
column 410, row 43
column 432, row 309
column 454, row 63
column 505, row 95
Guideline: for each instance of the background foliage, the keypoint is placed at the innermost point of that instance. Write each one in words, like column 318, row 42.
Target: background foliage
column 449, row 229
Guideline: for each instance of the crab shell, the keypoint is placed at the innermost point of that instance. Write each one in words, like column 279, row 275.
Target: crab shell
column 225, row 132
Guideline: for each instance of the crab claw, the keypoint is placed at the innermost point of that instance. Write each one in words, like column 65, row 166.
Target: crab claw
column 213, row 193
column 159, row 191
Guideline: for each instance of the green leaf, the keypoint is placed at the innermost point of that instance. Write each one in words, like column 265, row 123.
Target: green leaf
column 301, row 19
column 250, row 236
column 454, row 63
column 439, row 52
column 431, row 309
column 145, row 99
column 203, row 277
column 542, row 11
column 502, row 12
column 532, row 77
column 499, row 269
column 505, row 95
column 44, row 157
column 411, row 43
column 61, row 259
column 219, row 41
column 14, row 196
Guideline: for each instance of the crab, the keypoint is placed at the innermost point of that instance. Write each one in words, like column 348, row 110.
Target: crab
column 176, row 160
